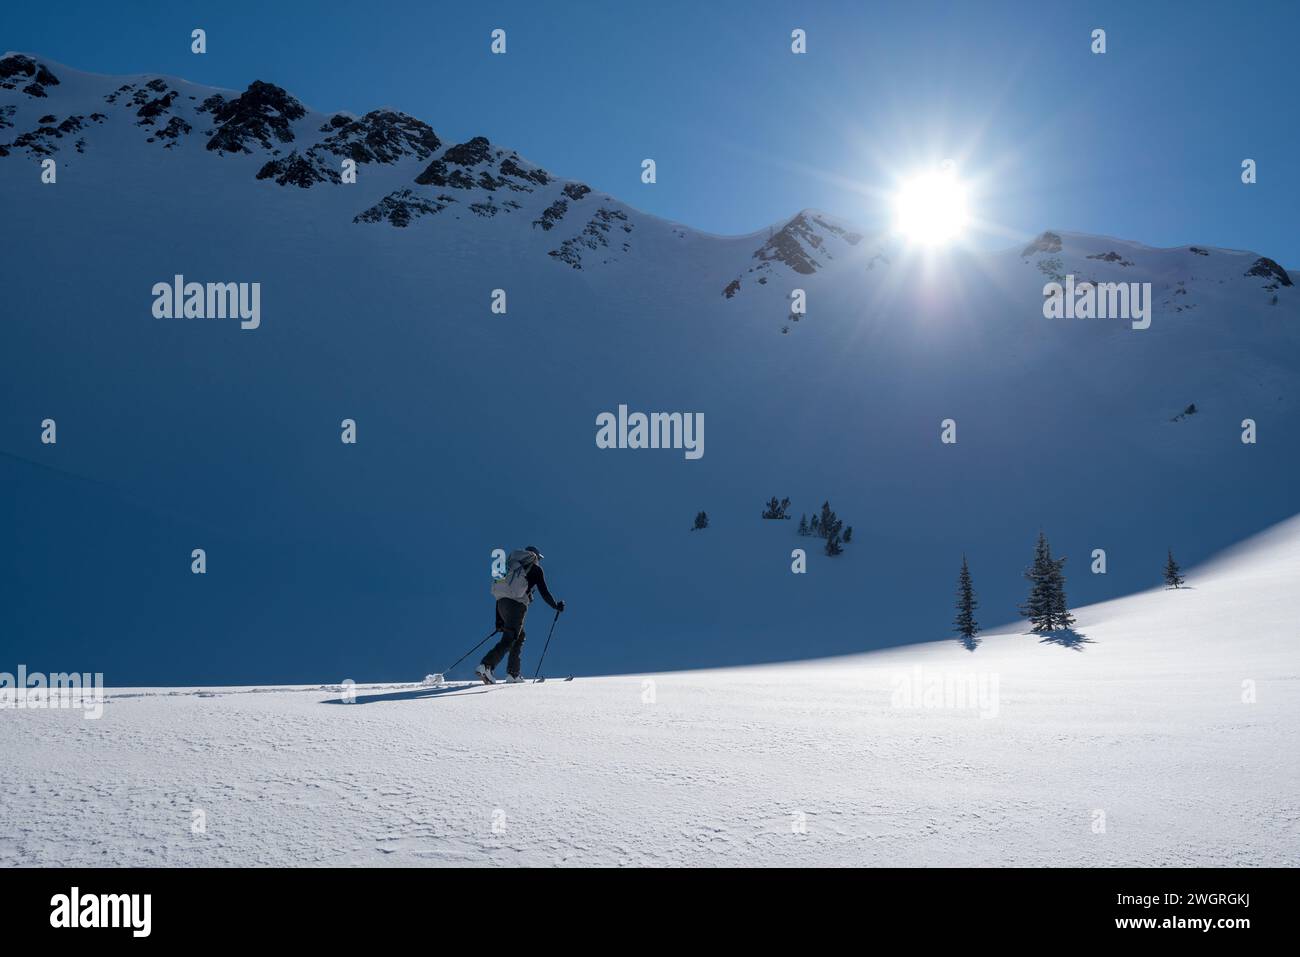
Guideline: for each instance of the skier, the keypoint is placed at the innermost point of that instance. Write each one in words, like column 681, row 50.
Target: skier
column 514, row 592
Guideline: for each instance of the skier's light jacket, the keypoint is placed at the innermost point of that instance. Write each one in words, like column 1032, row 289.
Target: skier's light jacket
column 534, row 578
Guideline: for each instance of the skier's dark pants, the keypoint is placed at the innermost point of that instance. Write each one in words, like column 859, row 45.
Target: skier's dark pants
column 510, row 620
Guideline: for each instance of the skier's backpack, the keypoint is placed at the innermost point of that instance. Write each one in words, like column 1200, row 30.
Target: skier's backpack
column 514, row 583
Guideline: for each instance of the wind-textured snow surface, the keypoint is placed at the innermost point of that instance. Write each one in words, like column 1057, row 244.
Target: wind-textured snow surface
column 1164, row 732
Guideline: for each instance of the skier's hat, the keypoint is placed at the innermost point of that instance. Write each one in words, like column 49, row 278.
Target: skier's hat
column 533, row 549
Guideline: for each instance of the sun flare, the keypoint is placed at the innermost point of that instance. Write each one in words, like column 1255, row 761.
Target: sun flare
column 931, row 208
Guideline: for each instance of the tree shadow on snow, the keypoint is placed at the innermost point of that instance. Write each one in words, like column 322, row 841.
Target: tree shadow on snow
column 970, row 644
column 1065, row 637
column 414, row 694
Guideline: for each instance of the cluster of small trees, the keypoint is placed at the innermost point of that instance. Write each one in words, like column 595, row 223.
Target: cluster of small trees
column 1046, row 607
column 827, row 525
column 775, row 509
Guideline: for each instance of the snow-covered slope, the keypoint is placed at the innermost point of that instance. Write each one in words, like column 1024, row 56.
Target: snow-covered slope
column 1166, row 735
column 476, row 430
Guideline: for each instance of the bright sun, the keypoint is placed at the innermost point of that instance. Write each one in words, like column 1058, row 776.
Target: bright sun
column 931, row 208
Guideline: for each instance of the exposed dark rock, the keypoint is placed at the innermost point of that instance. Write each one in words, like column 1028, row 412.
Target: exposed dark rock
column 1111, row 257
column 213, row 103
column 576, row 190
column 472, row 153
column 400, row 207
column 381, row 136
column 801, row 244
column 592, row 237
column 1045, row 243
column 552, row 215
column 176, row 127
column 1198, row 251
column 112, row 97
column 511, row 168
column 1266, row 268
column 153, row 108
column 795, row 243
column 292, row 170
column 48, row 118
column 1053, row 268
column 15, row 69
column 512, row 176
column 37, row 141
column 435, row 174
column 257, row 115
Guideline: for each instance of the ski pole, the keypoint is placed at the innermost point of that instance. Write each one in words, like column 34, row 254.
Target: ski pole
column 545, row 646
column 472, row 650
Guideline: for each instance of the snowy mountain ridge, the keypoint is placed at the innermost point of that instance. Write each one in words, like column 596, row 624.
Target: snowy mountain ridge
column 51, row 110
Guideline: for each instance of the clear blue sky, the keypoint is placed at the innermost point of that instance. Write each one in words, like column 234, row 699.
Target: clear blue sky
column 1144, row 142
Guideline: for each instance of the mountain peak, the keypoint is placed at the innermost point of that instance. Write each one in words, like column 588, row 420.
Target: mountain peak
column 18, row 70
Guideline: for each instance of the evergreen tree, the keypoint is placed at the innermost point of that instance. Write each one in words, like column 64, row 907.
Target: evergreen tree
column 1061, row 617
column 1173, row 574
column 1046, row 608
column 829, row 523
column 803, row 524
column 966, row 624
column 848, row 535
column 813, row 526
column 1040, row 606
column 701, row 521
column 830, row 526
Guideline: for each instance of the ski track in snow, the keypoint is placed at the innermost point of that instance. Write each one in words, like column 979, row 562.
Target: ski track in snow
column 1145, row 723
